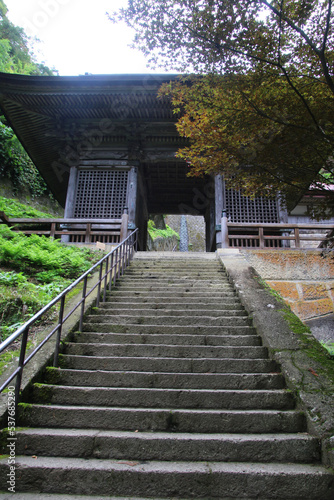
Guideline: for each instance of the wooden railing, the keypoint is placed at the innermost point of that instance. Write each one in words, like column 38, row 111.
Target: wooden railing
column 72, row 230
column 278, row 236
column 238, row 235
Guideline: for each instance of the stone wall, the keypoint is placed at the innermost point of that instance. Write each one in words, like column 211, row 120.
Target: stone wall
column 160, row 244
column 305, row 279
column 196, row 230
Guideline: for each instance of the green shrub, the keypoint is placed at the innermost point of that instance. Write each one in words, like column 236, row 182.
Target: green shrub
column 33, row 269
column 13, row 208
column 39, row 254
column 162, row 233
column 20, row 299
column 329, row 346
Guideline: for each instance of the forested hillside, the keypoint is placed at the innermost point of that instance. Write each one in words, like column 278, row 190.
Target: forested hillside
column 16, row 56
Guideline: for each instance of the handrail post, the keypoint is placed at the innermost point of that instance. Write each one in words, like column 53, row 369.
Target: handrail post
column 124, row 258
column 121, row 259
column 132, row 246
column 20, row 366
column 84, row 290
column 119, row 262
column 60, row 321
column 106, row 281
column 116, row 264
column 128, row 252
column 99, row 285
column 111, row 270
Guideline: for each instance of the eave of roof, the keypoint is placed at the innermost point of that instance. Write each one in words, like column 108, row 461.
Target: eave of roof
column 45, row 110
column 86, row 83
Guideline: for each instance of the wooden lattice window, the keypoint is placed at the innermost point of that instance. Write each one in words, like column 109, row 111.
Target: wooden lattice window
column 244, row 209
column 101, row 194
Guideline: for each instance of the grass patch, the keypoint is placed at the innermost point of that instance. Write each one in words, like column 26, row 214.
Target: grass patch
column 161, row 233
column 296, row 324
column 317, row 351
column 329, row 346
column 33, row 269
column 13, row 208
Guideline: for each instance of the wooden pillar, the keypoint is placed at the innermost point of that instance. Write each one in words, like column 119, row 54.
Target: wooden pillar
column 132, row 195
column 142, row 212
column 70, row 198
column 71, row 192
column 124, row 225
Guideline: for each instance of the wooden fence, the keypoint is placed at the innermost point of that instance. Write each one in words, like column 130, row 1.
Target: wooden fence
column 238, row 235
column 278, row 236
column 72, row 230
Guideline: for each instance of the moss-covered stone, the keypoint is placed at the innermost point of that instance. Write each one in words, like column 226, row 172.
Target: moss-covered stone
column 53, row 375
column 43, row 393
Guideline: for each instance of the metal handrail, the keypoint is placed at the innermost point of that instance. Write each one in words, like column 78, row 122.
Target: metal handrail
column 115, row 263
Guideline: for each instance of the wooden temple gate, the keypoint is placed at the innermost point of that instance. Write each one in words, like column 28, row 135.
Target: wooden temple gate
column 106, row 144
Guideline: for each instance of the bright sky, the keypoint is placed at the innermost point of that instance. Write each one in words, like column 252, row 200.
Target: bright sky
column 77, row 37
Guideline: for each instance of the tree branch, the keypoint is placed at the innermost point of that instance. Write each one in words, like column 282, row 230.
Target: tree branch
column 280, row 33
column 302, row 98
column 268, row 117
column 292, row 25
column 328, row 22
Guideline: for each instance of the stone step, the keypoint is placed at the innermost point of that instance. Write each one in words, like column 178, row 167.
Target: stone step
column 161, row 419
column 157, row 478
column 165, row 351
column 59, row 496
column 55, row 496
column 180, row 272
column 176, row 276
column 154, row 261
column 164, row 380
column 169, row 365
column 121, row 445
column 182, row 265
column 202, row 313
column 174, row 329
column 228, row 303
column 158, row 299
column 174, row 306
column 158, row 263
column 175, row 294
column 176, row 282
column 278, row 399
column 172, row 288
column 135, row 338
column 168, row 393
column 185, row 320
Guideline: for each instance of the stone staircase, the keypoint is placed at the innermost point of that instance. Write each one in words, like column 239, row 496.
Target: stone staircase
column 168, row 393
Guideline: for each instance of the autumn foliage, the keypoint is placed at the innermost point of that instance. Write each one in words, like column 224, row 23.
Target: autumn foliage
column 258, row 106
